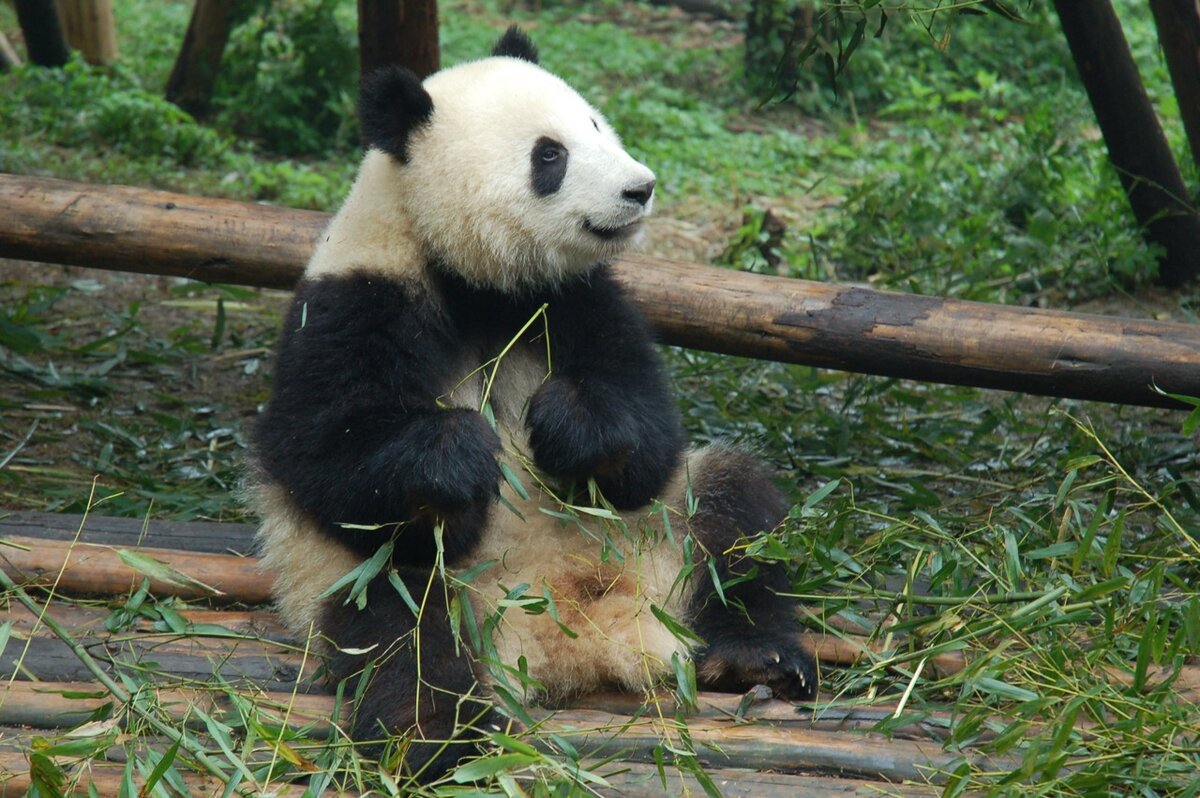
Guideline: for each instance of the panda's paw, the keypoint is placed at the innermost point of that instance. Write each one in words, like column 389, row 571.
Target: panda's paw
column 449, row 460
column 778, row 661
column 571, row 438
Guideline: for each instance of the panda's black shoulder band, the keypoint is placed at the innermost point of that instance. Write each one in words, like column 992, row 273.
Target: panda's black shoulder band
column 515, row 43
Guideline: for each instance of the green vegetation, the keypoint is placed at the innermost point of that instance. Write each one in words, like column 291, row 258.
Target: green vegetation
column 1054, row 545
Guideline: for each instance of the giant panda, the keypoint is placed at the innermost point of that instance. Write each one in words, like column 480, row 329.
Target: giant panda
column 462, row 387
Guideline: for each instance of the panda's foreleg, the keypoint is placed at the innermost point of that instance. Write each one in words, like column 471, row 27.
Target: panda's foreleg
column 422, row 702
column 750, row 637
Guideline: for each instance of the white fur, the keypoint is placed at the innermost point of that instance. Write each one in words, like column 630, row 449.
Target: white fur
column 465, row 197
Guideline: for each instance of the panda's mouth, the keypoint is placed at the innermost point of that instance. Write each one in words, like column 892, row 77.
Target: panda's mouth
column 613, row 233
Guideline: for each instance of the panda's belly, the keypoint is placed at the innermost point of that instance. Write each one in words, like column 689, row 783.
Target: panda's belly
column 594, row 587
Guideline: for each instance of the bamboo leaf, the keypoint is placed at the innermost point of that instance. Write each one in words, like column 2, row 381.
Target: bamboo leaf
column 161, row 571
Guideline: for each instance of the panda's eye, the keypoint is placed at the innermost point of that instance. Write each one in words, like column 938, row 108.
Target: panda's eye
column 548, row 162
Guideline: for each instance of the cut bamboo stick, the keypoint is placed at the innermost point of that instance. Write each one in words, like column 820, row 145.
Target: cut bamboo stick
column 797, row 321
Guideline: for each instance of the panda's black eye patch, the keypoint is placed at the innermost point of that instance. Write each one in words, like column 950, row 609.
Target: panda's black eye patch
column 549, row 166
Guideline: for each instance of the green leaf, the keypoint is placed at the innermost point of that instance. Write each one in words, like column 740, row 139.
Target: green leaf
column 513, row 481
column 680, row 631
column 161, row 768
column 402, row 589
column 819, row 495
column 487, row 767
column 161, row 571
column 1004, row 689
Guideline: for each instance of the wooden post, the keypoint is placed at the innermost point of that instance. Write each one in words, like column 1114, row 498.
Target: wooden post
column 797, row 321
column 8, row 56
column 1136, row 144
column 43, row 32
column 89, row 28
column 403, row 32
column 195, row 72
column 1178, row 23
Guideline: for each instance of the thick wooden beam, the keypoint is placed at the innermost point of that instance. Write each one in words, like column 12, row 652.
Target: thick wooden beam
column 89, row 28
column 1136, row 144
column 43, row 32
column 402, row 32
column 796, row 321
column 194, row 75
column 1178, row 24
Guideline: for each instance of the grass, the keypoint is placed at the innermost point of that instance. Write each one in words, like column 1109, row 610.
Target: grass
column 1049, row 547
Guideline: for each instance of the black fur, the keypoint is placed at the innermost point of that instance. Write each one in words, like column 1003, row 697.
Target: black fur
column 749, row 638
column 548, row 166
column 517, row 44
column 422, row 698
column 392, row 104
column 608, row 411
column 353, row 430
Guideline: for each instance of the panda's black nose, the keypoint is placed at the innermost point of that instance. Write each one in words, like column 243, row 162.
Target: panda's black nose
column 639, row 194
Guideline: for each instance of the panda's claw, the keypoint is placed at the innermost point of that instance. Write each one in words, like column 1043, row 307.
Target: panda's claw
column 737, row 664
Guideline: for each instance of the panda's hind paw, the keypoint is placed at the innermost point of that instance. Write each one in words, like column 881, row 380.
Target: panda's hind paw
column 779, row 662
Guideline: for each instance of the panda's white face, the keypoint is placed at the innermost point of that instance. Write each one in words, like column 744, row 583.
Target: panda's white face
column 515, row 181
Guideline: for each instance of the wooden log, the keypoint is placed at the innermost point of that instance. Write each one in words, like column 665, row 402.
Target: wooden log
column 90, row 28
column 797, row 321
column 596, row 734
column 105, row 777
column 626, row 779
column 1136, row 144
column 84, row 568
column 194, row 75
column 1178, row 24
column 402, row 32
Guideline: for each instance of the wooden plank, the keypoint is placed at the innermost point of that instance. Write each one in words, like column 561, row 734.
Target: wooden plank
column 201, row 536
column 797, row 321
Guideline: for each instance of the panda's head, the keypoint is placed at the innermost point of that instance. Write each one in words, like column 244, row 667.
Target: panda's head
column 507, row 176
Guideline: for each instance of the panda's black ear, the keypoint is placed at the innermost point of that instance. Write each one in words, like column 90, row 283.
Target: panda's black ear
column 516, row 44
column 392, row 103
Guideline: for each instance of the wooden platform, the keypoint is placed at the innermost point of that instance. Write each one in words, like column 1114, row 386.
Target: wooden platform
column 225, row 647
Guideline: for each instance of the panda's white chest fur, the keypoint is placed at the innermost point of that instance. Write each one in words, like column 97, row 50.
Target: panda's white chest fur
column 597, row 576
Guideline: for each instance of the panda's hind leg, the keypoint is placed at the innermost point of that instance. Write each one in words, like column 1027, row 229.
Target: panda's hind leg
column 752, row 636
column 422, row 702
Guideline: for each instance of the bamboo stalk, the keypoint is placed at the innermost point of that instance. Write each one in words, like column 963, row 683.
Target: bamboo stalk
column 849, row 328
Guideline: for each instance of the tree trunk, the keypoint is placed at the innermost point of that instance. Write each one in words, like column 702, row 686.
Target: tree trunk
column 43, row 32
column 90, row 29
column 796, row 321
column 195, row 72
column 1178, row 23
column 1136, row 144
column 403, row 32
